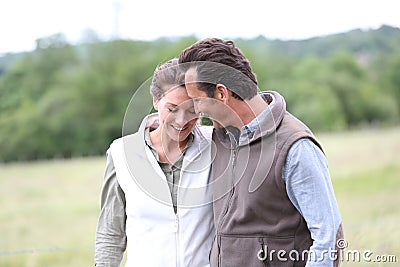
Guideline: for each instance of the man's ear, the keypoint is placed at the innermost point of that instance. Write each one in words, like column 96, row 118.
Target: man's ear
column 221, row 93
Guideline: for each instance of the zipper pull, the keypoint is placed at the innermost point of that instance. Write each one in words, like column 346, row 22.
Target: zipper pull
column 234, row 156
column 262, row 254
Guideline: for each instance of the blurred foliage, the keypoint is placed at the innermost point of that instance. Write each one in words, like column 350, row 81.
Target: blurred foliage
column 64, row 100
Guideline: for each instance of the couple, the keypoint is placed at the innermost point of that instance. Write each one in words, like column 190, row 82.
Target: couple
column 253, row 190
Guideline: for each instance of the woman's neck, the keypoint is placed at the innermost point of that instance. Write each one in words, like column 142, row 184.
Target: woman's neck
column 168, row 149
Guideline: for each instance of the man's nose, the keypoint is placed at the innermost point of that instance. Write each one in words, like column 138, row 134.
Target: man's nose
column 196, row 107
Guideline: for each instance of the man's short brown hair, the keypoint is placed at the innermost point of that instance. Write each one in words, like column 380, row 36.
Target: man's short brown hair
column 237, row 76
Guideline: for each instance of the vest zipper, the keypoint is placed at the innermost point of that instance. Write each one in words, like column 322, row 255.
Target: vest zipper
column 177, row 226
column 177, row 243
column 228, row 203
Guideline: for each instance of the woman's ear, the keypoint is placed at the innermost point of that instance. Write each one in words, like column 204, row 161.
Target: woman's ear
column 221, row 93
column 155, row 103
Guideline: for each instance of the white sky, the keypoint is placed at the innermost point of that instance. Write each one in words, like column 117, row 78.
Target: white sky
column 23, row 21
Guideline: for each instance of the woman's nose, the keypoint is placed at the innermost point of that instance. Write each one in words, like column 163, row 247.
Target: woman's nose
column 181, row 118
column 184, row 116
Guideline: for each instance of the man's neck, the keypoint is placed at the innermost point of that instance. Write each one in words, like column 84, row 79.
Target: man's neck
column 248, row 110
column 245, row 112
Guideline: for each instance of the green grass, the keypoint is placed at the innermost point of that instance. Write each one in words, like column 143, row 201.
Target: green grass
column 365, row 170
column 48, row 212
column 49, row 209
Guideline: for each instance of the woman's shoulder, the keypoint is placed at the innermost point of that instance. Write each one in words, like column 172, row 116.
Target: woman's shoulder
column 129, row 139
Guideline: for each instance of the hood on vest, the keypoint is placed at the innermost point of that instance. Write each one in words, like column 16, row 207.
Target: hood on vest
column 229, row 135
column 274, row 117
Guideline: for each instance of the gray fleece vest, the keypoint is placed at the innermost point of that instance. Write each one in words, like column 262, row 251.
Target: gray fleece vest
column 253, row 215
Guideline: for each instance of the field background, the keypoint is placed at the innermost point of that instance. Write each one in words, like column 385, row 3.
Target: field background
column 49, row 209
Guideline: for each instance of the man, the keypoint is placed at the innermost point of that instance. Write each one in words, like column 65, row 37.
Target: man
column 274, row 204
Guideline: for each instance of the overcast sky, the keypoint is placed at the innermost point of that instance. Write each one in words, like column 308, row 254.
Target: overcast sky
column 23, row 21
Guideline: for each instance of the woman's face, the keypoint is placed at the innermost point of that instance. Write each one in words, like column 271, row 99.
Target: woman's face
column 176, row 114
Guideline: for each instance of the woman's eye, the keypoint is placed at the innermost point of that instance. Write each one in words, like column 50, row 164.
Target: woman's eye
column 173, row 110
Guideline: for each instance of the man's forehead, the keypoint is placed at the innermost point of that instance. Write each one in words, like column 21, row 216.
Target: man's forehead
column 193, row 91
column 192, row 86
column 191, row 75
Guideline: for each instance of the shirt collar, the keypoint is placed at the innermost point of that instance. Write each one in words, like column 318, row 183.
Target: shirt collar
column 249, row 129
column 147, row 140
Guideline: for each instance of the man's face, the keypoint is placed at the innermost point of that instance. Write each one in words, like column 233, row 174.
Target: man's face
column 212, row 107
column 202, row 102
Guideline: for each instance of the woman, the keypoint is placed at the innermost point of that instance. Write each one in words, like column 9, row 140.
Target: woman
column 155, row 202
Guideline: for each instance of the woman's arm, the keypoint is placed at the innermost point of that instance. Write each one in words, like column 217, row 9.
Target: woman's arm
column 110, row 232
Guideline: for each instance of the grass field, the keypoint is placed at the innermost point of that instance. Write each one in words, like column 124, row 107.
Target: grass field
column 49, row 209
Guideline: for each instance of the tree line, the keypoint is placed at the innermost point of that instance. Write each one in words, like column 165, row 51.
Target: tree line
column 64, row 100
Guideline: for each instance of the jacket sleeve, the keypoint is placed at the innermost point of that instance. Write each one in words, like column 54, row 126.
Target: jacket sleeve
column 110, row 232
column 309, row 187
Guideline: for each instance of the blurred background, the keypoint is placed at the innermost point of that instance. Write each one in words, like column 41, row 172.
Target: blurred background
column 68, row 70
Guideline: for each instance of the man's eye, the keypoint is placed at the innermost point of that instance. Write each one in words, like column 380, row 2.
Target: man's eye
column 172, row 110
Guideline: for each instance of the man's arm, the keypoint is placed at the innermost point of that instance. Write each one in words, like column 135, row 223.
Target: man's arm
column 309, row 187
column 110, row 232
